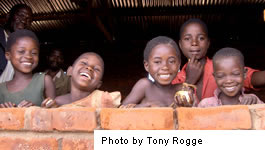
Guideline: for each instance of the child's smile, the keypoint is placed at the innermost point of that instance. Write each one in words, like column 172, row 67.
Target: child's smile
column 163, row 64
column 164, row 76
column 87, row 72
column 229, row 75
column 86, row 75
column 24, row 55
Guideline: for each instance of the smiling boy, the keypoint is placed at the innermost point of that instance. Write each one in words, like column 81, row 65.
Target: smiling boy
column 229, row 73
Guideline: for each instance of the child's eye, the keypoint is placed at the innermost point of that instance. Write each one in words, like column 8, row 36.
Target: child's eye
column 84, row 63
column 186, row 39
column 236, row 73
column 201, row 38
column 97, row 69
column 34, row 53
column 157, row 62
column 21, row 51
column 219, row 76
column 172, row 61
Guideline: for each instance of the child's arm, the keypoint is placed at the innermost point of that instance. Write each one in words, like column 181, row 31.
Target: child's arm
column 49, row 87
column 138, row 92
column 258, row 79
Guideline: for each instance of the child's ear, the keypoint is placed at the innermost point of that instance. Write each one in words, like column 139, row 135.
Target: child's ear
column 69, row 71
column 99, row 84
column 180, row 46
column 146, row 65
column 7, row 55
column 245, row 72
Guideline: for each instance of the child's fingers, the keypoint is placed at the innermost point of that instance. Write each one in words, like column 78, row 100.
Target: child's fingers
column 9, row 104
column 191, row 101
column 6, row 105
column 179, row 101
column 128, row 106
column 249, row 101
column 195, row 100
column 25, row 103
column 22, row 103
column 121, row 106
column 2, row 106
column 185, row 101
column 49, row 103
column 192, row 59
column 43, row 104
column 28, row 104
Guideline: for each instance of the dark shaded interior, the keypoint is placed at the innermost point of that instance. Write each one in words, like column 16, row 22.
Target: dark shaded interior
column 119, row 29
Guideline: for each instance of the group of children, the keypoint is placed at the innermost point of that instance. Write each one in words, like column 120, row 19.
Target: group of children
column 221, row 81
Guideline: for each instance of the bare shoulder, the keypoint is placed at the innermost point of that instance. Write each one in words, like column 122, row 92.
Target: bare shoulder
column 63, row 99
column 137, row 93
column 144, row 82
column 47, row 78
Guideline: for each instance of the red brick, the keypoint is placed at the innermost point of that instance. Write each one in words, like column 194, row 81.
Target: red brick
column 12, row 118
column 41, row 119
column 74, row 119
column 137, row 119
column 29, row 144
column 214, row 118
column 77, row 144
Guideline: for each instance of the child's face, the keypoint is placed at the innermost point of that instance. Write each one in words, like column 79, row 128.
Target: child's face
column 194, row 41
column 87, row 72
column 163, row 64
column 24, row 55
column 229, row 75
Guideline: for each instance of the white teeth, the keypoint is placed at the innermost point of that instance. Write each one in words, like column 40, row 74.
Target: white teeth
column 26, row 63
column 85, row 74
column 230, row 88
column 164, row 76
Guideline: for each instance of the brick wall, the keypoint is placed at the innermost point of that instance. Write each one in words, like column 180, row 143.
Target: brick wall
column 72, row 128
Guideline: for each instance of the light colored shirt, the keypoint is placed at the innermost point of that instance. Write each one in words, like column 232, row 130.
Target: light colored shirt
column 216, row 101
column 8, row 72
column 62, row 83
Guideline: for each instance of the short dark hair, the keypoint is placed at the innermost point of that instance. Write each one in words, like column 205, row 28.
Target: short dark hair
column 160, row 40
column 229, row 52
column 193, row 20
column 14, row 36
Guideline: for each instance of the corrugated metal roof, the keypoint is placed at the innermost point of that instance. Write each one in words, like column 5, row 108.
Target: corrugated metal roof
column 114, row 17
